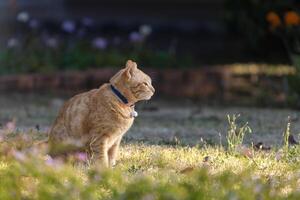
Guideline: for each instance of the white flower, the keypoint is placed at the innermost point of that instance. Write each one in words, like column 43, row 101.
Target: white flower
column 12, row 42
column 100, row 43
column 23, row 17
column 68, row 26
column 51, row 42
column 145, row 30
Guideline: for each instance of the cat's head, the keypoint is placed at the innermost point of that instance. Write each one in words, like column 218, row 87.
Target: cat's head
column 134, row 84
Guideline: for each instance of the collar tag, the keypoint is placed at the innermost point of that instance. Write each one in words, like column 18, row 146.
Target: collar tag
column 133, row 114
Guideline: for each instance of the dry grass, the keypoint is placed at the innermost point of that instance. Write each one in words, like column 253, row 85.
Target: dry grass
column 181, row 156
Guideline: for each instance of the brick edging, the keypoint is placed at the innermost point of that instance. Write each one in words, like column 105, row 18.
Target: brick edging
column 203, row 83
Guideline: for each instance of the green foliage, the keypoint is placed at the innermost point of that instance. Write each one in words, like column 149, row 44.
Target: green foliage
column 235, row 134
column 265, row 28
column 291, row 151
column 294, row 80
column 247, row 19
column 80, row 55
column 286, row 136
column 33, row 178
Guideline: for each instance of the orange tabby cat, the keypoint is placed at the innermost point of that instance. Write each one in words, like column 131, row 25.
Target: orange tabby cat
column 101, row 117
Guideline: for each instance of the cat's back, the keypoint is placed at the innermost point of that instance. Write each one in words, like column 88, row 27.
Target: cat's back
column 79, row 103
column 73, row 114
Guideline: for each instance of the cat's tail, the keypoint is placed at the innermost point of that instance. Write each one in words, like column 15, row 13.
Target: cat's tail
column 57, row 149
column 41, row 145
column 41, row 142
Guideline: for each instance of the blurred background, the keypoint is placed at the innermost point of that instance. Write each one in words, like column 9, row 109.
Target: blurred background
column 205, row 58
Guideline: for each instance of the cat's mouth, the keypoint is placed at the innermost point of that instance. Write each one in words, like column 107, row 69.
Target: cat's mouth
column 147, row 96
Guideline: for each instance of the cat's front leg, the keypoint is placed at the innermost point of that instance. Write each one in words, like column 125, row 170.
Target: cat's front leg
column 99, row 150
column 113, row 152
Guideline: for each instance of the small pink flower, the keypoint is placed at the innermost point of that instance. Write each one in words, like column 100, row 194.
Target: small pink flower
column 52, row 162
column 18, row 155
column 49, row 161
column 10, row 126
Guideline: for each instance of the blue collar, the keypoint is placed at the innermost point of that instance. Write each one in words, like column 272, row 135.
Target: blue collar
column 119, row 94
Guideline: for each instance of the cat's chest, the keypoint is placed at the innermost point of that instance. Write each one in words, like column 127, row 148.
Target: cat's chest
column 118, row 127
column 112, row 119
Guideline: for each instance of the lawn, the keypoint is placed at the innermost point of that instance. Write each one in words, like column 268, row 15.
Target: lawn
column 152, row 172
column 174, row 151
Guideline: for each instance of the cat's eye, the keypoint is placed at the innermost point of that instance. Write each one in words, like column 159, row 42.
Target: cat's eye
column 144, row 83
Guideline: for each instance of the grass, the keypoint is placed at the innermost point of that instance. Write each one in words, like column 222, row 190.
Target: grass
column 172, row 162
column 150, row 172
column 235, row 134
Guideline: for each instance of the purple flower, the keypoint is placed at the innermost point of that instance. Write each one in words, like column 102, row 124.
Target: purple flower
column 52, row 162
column 68, row 26
column 33, row 23
column 86, row 21
column 49, row 160
column 12, row 42
column 135, row 37
column 20, row 156
column 23, row 17
column 81, row 156
column 100, row 43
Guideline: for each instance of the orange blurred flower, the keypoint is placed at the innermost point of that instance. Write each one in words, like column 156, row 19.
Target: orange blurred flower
column 273, row 19
column 292, row 18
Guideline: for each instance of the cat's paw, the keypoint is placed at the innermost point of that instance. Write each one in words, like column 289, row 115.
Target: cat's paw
column 112, row 163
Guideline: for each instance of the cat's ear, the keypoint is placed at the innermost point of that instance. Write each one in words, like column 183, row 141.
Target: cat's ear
column 130, row 68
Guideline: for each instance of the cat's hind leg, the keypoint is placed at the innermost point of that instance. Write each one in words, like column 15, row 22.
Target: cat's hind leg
column 57, row 136
column 58, row 133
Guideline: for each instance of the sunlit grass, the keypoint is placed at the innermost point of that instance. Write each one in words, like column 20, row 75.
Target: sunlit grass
column 152, row 172
column 260, row 69
column 149, row 172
